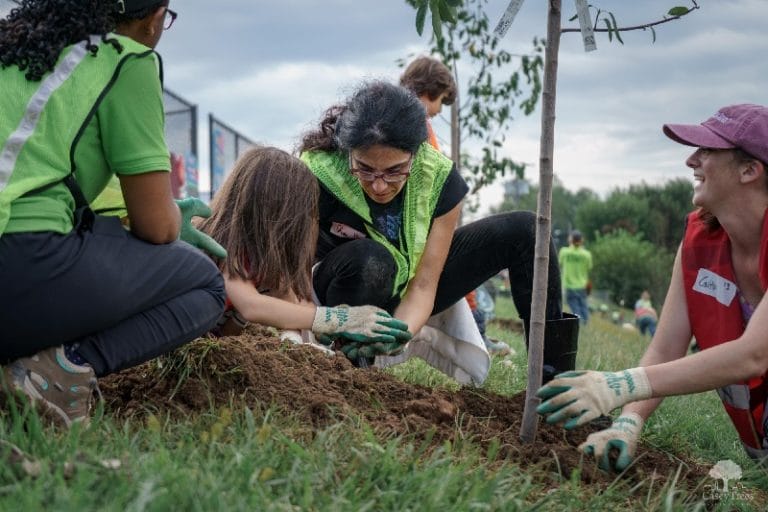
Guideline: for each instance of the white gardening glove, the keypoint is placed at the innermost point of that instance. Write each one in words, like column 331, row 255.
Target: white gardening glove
column 359, row 323
column 577, row 398
column 622, row 435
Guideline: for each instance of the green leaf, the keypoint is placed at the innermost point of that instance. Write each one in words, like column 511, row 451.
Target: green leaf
column 678, row 11
column 653, row 31
column 454, row 3
column 572, row 18
column 616, row 28
column 421, row 16
column 437, row 25
column 610, row 29
column 446, row 12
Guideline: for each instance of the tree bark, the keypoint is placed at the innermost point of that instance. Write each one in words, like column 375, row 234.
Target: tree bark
column 456, row 134
column 543, row 225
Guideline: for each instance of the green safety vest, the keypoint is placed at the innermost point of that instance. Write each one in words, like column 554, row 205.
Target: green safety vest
column 42, row 121
column 422, row 190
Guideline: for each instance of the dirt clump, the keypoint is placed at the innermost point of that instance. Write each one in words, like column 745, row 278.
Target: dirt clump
column 255, row 369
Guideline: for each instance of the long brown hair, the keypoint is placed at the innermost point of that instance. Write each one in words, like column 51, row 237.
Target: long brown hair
column 266, row 217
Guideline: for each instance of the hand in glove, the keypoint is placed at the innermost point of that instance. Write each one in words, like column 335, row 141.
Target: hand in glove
column 360, row 323
column 357, row 349
column 622, row 435
column 194, row 207
column 577, row 398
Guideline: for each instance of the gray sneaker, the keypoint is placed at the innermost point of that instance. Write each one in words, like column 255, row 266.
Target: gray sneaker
column 59, row 389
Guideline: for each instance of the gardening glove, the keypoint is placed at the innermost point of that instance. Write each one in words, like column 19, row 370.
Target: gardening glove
column 356, row 349
column 360, row 323
column 622, row 435
column 577, row 398
column 194, row 207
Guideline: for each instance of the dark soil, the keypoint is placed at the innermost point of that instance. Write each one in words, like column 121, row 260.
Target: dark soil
column 255, row 369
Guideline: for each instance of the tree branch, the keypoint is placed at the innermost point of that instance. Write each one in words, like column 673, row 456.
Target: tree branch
column 634, row 27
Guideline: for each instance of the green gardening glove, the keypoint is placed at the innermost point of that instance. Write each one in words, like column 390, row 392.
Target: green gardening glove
column 622, row 435
column 576, row 398
column 356, row 349
column 194, row 207
column 359, row 323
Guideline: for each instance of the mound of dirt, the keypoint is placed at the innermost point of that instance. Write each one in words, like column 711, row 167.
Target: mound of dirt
column 255, row 369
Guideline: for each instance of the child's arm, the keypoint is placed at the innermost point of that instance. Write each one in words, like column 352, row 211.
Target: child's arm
column 361, row 323
column 263, row 309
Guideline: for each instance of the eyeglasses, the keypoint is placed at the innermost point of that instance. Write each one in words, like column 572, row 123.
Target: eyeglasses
column 387, row 177
column 170, row 17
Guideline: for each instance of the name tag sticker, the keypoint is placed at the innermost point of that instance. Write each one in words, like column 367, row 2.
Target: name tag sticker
column 344, row 231
column 709, row 283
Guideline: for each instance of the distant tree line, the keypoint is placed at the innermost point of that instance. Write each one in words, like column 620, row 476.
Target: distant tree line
column 633, row 232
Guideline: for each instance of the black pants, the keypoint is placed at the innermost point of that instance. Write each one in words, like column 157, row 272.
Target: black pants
column 124, row 301
column 363, row 272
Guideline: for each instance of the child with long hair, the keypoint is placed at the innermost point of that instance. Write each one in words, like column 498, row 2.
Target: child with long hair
column 266, row 217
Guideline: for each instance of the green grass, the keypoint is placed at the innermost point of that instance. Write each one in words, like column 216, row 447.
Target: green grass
column 245, row 459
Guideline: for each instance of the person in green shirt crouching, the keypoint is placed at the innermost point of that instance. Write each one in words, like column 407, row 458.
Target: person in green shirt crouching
column 82, row 296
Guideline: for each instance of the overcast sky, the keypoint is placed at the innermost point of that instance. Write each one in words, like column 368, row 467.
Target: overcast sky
column 269, row 68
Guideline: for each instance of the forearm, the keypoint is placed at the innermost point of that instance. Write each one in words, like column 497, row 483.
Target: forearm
column 416, row 307
column 643, row 408
column 709, row 369
column 653, row 356
column 263, row 309
column 154, row 216
column 730, row 362
column 278, row 313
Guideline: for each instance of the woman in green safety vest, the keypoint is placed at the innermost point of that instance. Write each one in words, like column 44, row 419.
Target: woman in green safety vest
column 82, row 296
column 389, row 205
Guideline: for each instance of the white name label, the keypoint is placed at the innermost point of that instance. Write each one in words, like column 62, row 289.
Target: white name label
column 508, row 17
column 709, row 283
column 585, row 22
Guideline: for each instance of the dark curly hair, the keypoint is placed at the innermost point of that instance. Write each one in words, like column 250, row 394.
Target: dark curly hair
column 33, row 34
column 377, row 113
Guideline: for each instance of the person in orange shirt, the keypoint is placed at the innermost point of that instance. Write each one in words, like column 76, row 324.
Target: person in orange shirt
column 433, row 83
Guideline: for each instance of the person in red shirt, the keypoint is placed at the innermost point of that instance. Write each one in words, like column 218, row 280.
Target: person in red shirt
column 716, row 294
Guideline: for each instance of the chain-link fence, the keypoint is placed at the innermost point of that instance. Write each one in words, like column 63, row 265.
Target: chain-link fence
column 181, row 135
column 227, row 144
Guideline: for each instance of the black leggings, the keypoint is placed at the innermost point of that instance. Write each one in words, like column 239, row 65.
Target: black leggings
column 122, row 300
column 363, row 272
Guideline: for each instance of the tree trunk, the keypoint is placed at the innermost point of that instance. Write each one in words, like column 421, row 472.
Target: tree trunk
column 456, row 134
column 543, row 226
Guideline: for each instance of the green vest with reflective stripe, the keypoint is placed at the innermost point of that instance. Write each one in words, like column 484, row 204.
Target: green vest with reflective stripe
column 428, row 174
column 42, row 121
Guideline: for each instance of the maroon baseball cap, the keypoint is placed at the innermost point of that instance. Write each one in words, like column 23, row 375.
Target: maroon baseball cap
column 736, row 126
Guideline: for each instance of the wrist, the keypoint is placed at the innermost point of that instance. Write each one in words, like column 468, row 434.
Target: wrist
column 319, row 322
column 629, row 422
column 628, row 385
column 642, row 389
